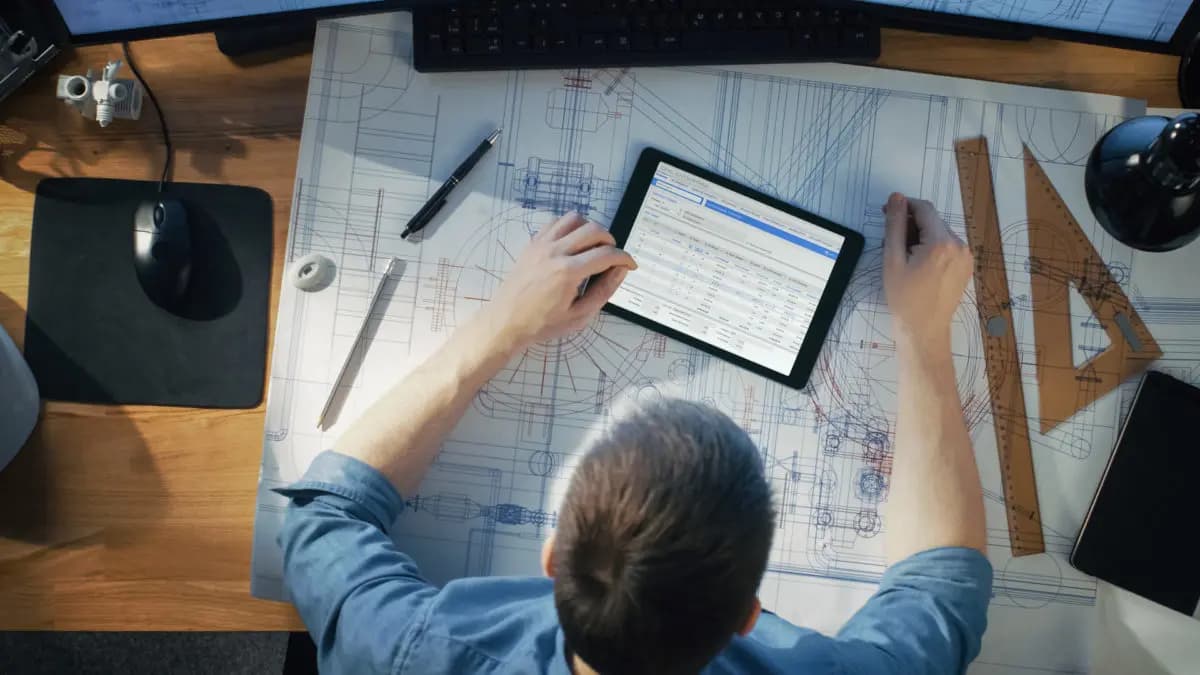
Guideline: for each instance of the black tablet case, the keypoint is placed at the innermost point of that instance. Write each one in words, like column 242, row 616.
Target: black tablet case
column 92, row 334
column 1140, row 533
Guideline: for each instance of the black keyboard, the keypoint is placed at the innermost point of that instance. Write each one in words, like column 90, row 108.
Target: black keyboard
column 501, row 34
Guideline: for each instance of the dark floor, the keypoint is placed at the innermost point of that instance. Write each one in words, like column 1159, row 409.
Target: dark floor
column 135, row 653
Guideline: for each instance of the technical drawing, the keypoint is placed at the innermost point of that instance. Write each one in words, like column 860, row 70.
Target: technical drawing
column 834, row 139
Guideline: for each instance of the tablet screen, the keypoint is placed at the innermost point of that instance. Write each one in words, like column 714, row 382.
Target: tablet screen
column 726, row 269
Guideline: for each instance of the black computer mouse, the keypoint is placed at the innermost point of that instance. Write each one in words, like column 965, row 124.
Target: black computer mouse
column 162, row 251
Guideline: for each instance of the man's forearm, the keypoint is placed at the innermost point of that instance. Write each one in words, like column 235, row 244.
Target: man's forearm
column 935, row 497
column 402, row 432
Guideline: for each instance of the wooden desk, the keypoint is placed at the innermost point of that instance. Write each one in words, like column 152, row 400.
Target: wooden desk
column 141, row 518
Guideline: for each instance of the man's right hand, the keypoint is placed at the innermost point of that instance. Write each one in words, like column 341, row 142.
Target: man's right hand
column 539, row 300
column 924, row 283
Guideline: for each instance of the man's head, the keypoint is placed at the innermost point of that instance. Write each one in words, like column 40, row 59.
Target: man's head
column 662, row 541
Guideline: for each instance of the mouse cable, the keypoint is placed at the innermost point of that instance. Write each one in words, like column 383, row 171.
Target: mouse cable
column 162, row 121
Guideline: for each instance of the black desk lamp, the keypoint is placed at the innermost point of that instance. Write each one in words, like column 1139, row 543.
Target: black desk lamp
column 1143, row 181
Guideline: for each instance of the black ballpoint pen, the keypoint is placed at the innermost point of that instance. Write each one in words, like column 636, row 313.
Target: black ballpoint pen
column 426, row 213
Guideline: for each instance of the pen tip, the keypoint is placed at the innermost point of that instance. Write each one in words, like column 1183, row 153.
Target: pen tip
column 495, row 135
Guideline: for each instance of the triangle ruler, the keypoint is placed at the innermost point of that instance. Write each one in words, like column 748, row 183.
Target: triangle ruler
column 1060, row 256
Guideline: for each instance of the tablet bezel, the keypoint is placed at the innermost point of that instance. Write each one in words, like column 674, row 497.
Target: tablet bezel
column 835, row 289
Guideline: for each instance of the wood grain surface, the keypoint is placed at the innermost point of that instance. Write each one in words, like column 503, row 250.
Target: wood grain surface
column 140, row 518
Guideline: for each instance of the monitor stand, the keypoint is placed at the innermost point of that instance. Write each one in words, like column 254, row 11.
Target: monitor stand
column 266, row 43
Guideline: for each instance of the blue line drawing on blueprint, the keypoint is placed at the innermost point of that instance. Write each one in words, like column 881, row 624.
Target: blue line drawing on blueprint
column 1140, row 19
column 834, row 139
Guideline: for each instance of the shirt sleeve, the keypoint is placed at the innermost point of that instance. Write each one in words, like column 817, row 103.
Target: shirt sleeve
column 360, row 597
column 928, row 616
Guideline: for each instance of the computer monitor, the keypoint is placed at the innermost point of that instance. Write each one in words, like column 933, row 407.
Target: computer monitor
column 100, row 21
column 1149, row 25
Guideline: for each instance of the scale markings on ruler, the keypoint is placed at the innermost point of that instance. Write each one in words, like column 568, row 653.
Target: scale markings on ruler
column 1000, row 348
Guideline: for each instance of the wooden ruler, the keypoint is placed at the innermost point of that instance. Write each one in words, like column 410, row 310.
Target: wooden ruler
column 1000, row 348
column 1060, row 255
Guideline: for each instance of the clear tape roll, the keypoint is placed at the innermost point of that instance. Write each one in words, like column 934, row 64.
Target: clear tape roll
column 312, row 272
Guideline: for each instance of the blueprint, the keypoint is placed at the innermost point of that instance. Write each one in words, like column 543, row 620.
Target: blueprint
column 379, row 138
column 1139, row 19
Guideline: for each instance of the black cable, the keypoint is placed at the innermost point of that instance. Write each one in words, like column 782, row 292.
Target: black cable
column 162, row 181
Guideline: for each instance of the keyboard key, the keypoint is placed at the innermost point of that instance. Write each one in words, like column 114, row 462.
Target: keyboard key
column 562, row 41
column 704, row 40
column 697, row 20
column 643, row 42
column 835, row 17
column 620, row 42
column 483, row 45
column 562, row 22
column 539, row 23
column 604, row 23
column 772, row 40
column 668, row 41
column 594, row 41
column 857, row 38
column 520, row 43
column 516, row 22
column 491, row 24
column 829, row 36
column 804, row 39
column 454, row 46
column 454, row 26
column 539, row 43
column 434, row 44
column 642, row 22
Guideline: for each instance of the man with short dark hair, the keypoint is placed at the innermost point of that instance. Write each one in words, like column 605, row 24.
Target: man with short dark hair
column 666, row 526
column 662, row 541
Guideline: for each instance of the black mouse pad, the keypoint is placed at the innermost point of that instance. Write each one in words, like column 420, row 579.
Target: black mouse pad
column 92, row 334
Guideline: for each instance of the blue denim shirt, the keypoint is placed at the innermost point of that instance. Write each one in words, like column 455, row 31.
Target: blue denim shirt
column 370, row 611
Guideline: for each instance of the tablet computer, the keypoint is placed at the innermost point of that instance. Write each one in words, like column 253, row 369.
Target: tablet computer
column 1140, row 532
column 730, row 270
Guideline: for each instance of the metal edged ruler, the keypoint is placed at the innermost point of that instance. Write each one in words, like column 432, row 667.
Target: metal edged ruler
column 1000, row 348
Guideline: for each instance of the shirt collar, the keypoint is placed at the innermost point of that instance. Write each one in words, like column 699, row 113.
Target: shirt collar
column 559, row 664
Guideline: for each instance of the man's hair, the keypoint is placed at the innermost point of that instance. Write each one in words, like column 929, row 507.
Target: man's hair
column 662, row 541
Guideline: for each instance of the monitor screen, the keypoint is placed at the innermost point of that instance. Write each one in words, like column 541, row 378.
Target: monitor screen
column 86, row 17
column 1153, row 20
column 721, row 267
